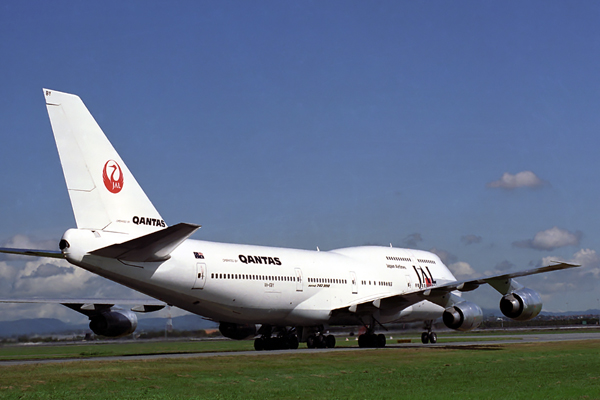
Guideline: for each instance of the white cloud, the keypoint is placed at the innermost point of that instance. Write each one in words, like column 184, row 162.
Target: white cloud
column 30, row 277
column 462, row 270
column 446, row 257
column 555, row 285
column 518, row 180
column 551, row 239
column 25, row 242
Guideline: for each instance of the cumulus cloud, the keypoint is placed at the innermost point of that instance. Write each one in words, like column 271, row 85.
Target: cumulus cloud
column 446, row 257
column 25, row 242
column 462, row 270
column 413, row 239
column 551, row 239
column 48, row 270
column 471, row 239
column 520, row 179
column 582, row 279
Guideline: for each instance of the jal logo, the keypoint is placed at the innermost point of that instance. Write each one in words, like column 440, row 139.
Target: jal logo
column 112, row 176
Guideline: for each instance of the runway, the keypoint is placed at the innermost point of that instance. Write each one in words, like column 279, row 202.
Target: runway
column 486, row 341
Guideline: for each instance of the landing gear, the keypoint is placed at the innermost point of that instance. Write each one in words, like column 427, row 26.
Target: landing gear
column 429, row 336
column 370, row 339
column 284, row 339
column 320, row 341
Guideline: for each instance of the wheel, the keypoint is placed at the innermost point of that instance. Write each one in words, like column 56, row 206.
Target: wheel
column 361, row 341
column 330, row 341
column 432, row 337
column 320, row 342
column 293, row 342
column 281, row 343
column 381, row 340
column 311, row 342
column 425, row 337
column 259, row 344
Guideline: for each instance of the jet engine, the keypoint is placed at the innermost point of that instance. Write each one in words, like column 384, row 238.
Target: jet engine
column 237, row 331
column 463, row 316
column 521, row 305
column 114, row 323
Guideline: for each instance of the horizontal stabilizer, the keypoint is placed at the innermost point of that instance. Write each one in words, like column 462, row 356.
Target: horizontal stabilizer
column 156, row 246
column 33, row 252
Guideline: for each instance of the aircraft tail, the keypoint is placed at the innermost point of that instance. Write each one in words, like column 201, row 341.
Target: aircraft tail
column 103, row 192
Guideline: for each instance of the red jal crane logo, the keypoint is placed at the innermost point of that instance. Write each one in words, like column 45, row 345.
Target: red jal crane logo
column 112, row 176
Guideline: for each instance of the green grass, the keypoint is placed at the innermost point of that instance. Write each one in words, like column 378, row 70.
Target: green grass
column 559, row 370
column 124, row 348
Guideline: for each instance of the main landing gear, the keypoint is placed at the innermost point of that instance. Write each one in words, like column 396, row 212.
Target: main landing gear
column 320, row 341
column 429, row 336
column 283, row 339
column 369, row 338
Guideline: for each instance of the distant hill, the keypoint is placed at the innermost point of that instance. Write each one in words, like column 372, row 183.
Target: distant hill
column 189, row 322
column 497, row 313
column 48, row 326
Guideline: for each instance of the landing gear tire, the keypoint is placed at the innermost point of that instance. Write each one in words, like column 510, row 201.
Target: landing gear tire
column 311, row 342
column 371, row 340
column 425, row 337
column 293, row 342
column 276, row 343
column 259, row 344
column 320, row 342
column 432, row 337
column 330, row 341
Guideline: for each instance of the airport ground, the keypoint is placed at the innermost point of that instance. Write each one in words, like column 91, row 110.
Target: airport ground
column 554, row 364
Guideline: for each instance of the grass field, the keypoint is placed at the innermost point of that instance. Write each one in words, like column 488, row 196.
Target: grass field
column 559, row 370
column 120, row 348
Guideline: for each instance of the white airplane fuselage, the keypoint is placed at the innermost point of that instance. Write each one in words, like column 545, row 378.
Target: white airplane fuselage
column 269, row 285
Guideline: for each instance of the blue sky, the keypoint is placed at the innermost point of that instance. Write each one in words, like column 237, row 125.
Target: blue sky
column 329, row 124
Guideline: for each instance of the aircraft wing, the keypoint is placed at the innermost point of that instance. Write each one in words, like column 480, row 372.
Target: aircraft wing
column 87, row 306
column 33, row 252
column 441, row 294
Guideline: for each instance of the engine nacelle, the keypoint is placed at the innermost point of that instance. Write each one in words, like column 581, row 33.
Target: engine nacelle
column 521, row 305
column 113, row 323
column 463, row 316
column 237, row 331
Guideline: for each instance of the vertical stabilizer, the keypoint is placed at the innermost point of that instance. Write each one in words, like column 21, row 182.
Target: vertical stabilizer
column 103, row 192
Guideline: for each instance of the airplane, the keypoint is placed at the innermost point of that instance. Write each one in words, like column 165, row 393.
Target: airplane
column 293, row 295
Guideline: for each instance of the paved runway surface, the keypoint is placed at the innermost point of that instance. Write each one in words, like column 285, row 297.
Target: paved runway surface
column 478, row 341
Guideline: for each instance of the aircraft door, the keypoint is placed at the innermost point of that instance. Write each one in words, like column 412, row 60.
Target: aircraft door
column 200, row 276
column 408, row 282
column 354, row 283
column 299, row 280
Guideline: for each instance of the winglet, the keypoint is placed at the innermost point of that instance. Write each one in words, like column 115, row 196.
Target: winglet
column 156, row 246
